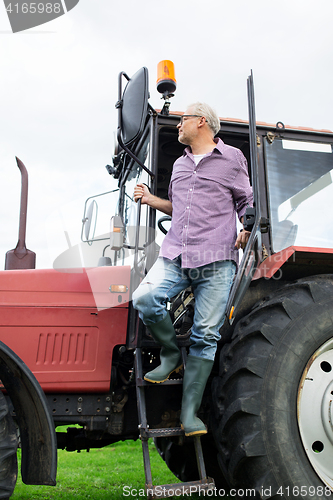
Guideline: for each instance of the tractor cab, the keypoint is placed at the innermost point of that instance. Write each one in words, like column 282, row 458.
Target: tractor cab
column 147, row 146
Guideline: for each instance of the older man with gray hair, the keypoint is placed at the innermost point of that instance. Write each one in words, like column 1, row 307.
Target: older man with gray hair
column 209, row 187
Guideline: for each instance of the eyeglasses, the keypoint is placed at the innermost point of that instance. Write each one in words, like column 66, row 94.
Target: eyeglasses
column 188, row 116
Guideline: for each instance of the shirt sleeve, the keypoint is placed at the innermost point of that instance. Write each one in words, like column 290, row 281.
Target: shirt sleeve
column 242, row 190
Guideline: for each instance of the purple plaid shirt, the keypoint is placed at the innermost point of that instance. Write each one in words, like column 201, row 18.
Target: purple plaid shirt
column 205, row 199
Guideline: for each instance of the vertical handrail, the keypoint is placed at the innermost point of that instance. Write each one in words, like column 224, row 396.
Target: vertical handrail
column 136, row 244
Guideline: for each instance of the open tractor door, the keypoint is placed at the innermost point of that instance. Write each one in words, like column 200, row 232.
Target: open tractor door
column 252, row 220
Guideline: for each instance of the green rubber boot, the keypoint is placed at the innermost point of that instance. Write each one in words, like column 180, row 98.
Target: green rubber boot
column 197, row 371
column 171, row 360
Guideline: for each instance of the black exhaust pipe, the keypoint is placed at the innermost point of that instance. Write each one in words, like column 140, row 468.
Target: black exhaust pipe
column 20, row 257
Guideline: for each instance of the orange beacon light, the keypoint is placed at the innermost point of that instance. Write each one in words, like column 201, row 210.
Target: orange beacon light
column 166, row 82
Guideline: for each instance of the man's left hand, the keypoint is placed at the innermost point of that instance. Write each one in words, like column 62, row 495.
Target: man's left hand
column 242, row 239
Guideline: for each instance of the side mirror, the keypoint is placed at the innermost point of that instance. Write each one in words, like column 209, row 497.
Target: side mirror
column 133, row 106
column 89, row 221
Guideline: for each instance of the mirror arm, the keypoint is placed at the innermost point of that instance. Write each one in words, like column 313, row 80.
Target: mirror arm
column 153, row 111
column 132, row 161
column 132, row 155
column 120, row 90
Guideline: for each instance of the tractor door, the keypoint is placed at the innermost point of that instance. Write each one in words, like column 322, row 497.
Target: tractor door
column 252, row 253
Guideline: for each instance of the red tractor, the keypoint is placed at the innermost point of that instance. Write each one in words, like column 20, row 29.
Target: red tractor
column 73, row 350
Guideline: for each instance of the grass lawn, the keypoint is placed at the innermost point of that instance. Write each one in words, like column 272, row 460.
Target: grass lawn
column 101, row 474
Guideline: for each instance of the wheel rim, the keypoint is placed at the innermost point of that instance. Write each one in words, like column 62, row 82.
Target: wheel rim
column 315, row 411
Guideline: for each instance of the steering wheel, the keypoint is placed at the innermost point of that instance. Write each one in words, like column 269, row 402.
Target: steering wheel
column 165, row 218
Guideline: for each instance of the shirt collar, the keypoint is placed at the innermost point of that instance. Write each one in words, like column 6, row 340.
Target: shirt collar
column 219, row 147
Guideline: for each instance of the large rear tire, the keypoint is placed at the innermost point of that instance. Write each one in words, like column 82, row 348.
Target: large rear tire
column 8, row 451
column 272, row 399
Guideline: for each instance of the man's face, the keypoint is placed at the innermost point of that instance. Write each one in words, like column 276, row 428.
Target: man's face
column 188, row 127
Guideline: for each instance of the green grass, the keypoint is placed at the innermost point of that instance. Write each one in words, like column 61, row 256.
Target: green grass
column 101, row 474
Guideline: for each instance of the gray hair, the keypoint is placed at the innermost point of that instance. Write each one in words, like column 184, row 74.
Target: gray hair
column 203, row 109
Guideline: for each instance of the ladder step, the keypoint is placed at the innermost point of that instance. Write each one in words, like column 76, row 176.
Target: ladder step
column 140, row 382
column 164, row 432
column 166, row 491
column 178, row 489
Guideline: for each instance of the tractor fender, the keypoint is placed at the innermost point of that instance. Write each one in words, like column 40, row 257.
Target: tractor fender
column 313, row 257
column 37, row 431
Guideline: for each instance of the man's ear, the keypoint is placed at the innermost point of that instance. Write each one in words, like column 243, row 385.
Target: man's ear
column 202, row 121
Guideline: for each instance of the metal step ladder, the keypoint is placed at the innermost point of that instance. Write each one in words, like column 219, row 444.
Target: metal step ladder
column 164, row 491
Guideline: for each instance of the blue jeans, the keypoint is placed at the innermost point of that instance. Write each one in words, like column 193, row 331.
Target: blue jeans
column 211, row 286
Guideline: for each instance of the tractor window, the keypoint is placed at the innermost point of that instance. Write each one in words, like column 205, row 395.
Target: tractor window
column 300, row 188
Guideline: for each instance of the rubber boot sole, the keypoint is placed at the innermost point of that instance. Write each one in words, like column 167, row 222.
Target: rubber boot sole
column 194, row 433
column 176, row 370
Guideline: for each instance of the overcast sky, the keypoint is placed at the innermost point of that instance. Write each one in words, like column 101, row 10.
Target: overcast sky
column 59, row 88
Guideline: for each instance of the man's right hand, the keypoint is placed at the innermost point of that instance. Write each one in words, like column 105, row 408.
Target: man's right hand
column 147, row 198
column 141, row 191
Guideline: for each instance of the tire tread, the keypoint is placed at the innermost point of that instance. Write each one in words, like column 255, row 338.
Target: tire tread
column 238, row 391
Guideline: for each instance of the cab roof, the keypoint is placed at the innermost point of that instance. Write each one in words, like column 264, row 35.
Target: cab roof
column 264, row 124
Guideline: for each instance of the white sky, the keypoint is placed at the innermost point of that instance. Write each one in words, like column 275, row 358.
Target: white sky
column 59, row 87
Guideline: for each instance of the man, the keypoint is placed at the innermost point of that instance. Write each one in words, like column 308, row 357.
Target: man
column 208, row 187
